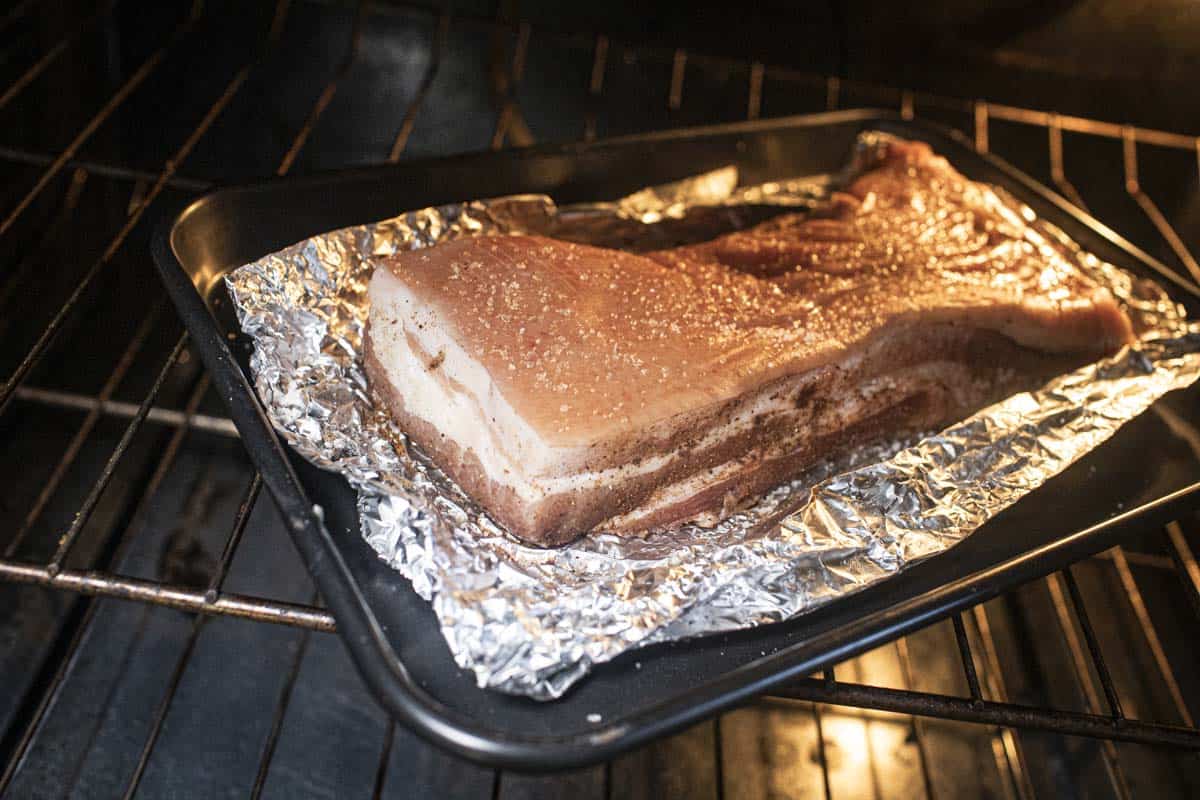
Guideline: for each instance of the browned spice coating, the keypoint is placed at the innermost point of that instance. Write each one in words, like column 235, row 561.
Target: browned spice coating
column 610, row 357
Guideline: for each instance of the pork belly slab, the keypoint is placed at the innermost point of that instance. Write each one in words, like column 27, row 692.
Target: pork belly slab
column 570, row 388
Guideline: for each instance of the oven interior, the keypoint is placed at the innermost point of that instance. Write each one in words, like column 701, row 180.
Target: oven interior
column 160, row 635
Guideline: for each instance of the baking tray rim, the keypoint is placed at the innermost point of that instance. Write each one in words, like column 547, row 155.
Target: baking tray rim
column 382, row 666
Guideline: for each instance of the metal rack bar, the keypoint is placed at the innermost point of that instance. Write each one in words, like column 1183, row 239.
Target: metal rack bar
column 122, row 94
column 822, row 750
column 128, row 588
column 1189, row 570
column 754, row 92
column 968, row 659
column 100, row 484
column 595, row 86
column 1055, row 584
column 385, row 753
column 441, row 33
column 828, row 679
column 145, row 591
column 51, row 233
column 1149, row 207
column 241, row 518
column 98, row 722
column 327, row 94
column 833, row 86
column 856, row 668
column 47, row 700
column 1141, row 559
column 118, row 586
column 1009, row 715
column 211, row 601
column 916, row 724
column 1180, row 553
column 164, row 705
column 678, row 66
column 51, row 694
column 171, row 451
column 1138, row 604
column 1093, row 645
column 505, row 86
column 1006, row 747
column 51, row 55
column 1093, row 127
column 116, row 408
column 212, row 596
column 1058, row 173
column 718, row 762
column 281, row 706
column 102, row 168
column 231, row 89
column 85, row 429
column 980, row 111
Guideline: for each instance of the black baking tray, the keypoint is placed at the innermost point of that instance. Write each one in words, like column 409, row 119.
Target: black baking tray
column 1113, row 493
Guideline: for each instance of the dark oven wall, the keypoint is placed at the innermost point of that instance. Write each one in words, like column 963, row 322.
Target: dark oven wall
column 1097, row 58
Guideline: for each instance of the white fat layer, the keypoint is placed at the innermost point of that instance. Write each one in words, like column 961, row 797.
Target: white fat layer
column 943, row 373
column 477, row 418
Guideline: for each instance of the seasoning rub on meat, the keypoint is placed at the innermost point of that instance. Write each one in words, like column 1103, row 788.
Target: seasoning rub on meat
column 570, row 388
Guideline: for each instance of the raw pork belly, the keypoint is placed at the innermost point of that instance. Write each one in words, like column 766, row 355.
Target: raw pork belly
column 570, row 388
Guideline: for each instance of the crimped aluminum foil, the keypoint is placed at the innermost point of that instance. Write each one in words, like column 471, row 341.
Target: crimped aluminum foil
column 533, row 621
